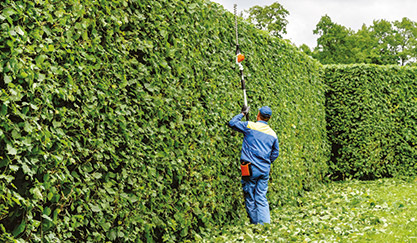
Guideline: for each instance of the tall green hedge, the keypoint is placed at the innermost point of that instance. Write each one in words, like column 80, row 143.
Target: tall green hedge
column 113, row 118
column 372, row 120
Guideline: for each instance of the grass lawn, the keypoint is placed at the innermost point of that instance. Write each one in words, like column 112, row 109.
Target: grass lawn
column 354, row 211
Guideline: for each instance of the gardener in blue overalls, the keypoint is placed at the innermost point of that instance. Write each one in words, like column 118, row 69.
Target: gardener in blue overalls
column 259, row 148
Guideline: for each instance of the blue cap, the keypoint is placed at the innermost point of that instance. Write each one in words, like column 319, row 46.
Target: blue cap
column 265, row 111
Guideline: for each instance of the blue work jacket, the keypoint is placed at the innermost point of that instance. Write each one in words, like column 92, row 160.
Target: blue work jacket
column 260, row 144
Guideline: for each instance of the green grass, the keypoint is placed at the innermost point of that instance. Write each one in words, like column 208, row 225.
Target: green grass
column 355, row 211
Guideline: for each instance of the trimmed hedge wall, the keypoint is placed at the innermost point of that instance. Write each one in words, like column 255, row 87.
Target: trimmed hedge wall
column 113, row 118
column 372, row 120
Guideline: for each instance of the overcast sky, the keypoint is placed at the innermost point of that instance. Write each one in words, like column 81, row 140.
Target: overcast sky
column 305, row 14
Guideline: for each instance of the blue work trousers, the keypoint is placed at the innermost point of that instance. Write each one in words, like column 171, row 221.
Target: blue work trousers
column 254, row 190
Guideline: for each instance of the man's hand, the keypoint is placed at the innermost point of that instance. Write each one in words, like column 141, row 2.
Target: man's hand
column 245, row 110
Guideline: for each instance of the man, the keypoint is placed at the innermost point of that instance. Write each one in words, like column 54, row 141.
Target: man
column 259, row 149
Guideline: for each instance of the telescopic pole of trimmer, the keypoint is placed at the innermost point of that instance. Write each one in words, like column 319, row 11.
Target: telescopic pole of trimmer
column 239, row 58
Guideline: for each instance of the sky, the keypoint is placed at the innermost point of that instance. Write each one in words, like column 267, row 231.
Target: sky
column 305, row 14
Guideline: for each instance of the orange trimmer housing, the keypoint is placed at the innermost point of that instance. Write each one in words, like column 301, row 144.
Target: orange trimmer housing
column 240, row 57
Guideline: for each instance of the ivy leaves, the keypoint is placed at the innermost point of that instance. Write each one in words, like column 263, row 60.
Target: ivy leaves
column 113, row 119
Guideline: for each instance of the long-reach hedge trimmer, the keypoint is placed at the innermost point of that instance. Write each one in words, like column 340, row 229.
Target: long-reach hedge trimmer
column 239, row 58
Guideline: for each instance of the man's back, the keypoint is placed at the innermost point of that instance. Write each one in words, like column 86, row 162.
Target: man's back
column 260, row 143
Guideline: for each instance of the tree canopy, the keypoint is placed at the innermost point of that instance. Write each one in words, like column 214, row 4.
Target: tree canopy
column 271, row 18
column 383, row 42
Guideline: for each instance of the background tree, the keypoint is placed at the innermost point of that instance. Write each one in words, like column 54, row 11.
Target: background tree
column 362, row 46
column 384, row 50
column 382, row 43
column 333, row 45
column 405, row 38
column 271, row 18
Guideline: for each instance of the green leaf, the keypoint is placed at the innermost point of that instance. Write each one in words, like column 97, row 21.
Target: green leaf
column 27, row 170
column 94, row 208
column 3, row 110
column 47, row 211
column 11, row 150
column 7, row 79
column 19, row 31
column 8, row 178
column 14, row 167
column 37, row 193
column 7, row 12
column 41, row 77
column 19, row 229
column 59, row 13
column 27, row 141
column 97, row 175
column 15, row 134
column 55, row 214
column 85, row 35
column 192, row 6
column 49, row 196
column 51, row 48
column 49, row 219
column 106, row 226
column 40, row 59
column 23, row 74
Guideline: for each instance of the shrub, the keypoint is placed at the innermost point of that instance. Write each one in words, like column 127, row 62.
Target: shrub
column 371, row 118
column 113, row 118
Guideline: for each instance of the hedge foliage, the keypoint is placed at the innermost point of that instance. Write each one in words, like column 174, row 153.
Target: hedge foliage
column 113, row 118
column 372, row 120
